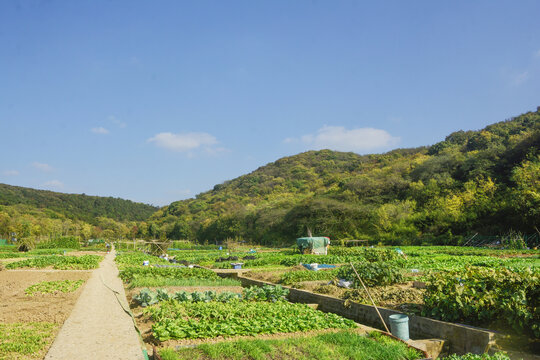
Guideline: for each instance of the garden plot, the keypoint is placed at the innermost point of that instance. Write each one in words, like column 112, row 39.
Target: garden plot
column 329, row 345
column 494, row 289
column 33, row 307
column 197, row 313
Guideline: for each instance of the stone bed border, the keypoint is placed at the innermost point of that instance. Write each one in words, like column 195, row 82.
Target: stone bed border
column 461, row 338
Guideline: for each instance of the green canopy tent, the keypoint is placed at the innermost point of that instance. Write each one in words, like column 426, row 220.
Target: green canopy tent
column 313, row 245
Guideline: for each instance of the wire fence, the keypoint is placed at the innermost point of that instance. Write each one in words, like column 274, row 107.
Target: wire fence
column 531, row 241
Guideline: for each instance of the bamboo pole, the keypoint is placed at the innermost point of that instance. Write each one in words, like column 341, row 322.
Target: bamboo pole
column 370, row 298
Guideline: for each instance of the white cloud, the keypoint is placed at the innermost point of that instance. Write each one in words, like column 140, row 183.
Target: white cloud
column 42, row 166
column 54, row 184
column 99, row 130
column 342, row 139
column 10, row 173
column 520, row 78
column 117, row 121
column 537, row 54
column 185, row 141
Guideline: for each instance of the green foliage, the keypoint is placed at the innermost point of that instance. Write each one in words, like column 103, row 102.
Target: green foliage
column 137, row 258
column 479, row 296
column 132, row 272
column 74, row 206
column 64, row 242
column 341, row 345
column 25, row 340
column 372, row 274
column 475, row 181
column 514, row 241
column 195, row 320
column 84, row 262
column 153, row 281
column 469, row 356
column 148, row 297
column 49, row 287
column 265, row 293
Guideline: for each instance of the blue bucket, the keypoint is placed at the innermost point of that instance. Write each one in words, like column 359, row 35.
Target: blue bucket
column 399, row 326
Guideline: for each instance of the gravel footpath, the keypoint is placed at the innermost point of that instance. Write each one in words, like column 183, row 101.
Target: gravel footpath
column 98, row 327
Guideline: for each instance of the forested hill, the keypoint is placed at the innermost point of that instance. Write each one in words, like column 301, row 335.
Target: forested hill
column 75, row 206
column 485, row 181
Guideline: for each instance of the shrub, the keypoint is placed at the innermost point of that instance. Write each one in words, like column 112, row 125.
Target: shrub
column 479, row 296
column 372, row 273
column 64, row 242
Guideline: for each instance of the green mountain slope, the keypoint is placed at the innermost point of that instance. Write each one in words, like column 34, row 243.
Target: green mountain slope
column 75, row 206
column 485, row 181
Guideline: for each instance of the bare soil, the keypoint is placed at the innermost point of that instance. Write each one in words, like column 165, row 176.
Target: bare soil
column 272, row 276
column 15, row 306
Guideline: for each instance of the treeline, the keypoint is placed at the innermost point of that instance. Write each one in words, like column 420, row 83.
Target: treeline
column 485, row 182
column 41, row 224
column 76, row 207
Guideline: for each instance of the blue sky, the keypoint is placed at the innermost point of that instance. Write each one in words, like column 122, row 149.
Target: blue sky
column 156, row 101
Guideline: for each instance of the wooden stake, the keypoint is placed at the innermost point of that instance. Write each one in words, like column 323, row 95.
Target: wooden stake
column 370, row 298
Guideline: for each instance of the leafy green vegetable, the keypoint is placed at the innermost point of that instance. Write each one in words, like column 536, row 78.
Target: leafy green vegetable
column 193, row 320
column 24, row 340
column 48, row 287
column 84, row 262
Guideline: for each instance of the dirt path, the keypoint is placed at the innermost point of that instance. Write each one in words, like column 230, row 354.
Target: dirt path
column 98, row 327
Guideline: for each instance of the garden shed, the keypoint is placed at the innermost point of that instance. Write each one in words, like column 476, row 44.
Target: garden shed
column 313, row 245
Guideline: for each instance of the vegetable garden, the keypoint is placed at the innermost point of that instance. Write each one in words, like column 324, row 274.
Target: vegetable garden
column 186, row 299
column 38, row 290
column 490, row 288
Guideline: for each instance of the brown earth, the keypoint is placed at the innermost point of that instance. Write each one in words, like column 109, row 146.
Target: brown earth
column 269, row 275
column 15, row 306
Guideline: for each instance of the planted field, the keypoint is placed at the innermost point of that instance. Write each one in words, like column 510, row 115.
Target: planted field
column 84, row 262
column 53, row 287
column 25, row 340
column 33, row 307
column 148, row 276
column 195, row 320
column 169, row 315
column 456, row 284
column 341, row 345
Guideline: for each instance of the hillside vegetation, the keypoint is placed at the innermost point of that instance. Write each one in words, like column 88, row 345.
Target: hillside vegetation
column 75, row 206
column 34, row 213
column 485, row 182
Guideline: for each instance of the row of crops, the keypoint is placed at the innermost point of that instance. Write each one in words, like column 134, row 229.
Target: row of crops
column 492, row 288
column 36, row 303
column 56, row 258
column 183, row 316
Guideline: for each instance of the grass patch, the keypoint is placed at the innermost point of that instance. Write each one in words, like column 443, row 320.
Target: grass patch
column 32, row 253
column 50, row 287
column 152, row 281
column 24, row 340
column 332, row 346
